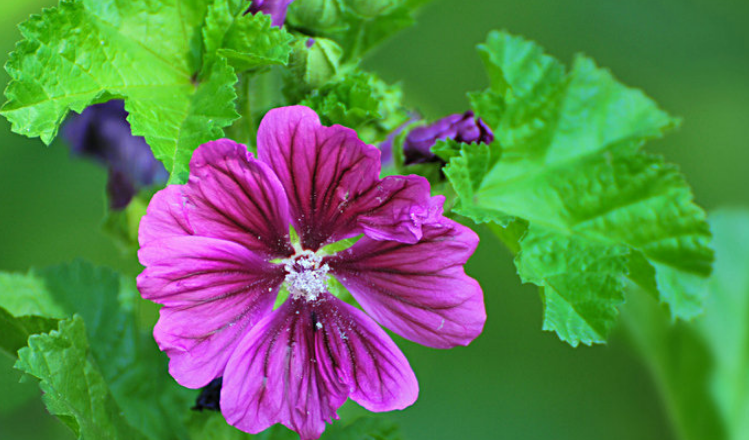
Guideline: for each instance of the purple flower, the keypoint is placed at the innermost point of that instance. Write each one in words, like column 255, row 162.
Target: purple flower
column 218, row 249
column 275, row 8
column 459, row 127
column 102, row 133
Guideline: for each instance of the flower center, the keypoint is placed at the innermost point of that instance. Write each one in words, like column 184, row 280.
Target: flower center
column 306, row 277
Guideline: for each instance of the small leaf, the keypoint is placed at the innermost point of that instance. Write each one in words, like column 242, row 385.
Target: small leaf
column 446, row 149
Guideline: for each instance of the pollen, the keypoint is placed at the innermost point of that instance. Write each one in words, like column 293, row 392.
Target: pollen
column 306, row 276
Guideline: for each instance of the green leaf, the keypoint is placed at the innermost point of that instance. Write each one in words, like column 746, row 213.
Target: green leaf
column 582, row 283
column 702, row 369
column 466, row 173
column 446, row 149
column 178, row 88
column 681, row 364
column 364, row 428
column 129, row 360
column 15, row 330
column 358, row 26
column 725, row 325
column 349, row 102
column 25, row 309
column 74, row 389
column 126, row 358
column 572, row 168
column 26, row 295
column 361, row 101
column 212, row 425
column 248, row 41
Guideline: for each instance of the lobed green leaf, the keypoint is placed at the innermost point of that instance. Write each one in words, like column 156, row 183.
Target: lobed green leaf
column 169, row 60
column 571, row 166
column 74, row 388
column 133, row 371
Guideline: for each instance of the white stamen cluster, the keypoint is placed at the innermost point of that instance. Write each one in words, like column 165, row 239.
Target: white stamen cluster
column 305, row 276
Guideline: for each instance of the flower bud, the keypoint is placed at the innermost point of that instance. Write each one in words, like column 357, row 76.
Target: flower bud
column 460, row 127
column 315, row 15
column 322, row 61
column 372, row 8
column 275, row 8
column 102, row 133
column 314, row 63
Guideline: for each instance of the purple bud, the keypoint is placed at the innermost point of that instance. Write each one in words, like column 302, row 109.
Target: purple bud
column 386, row 146
column 460, row 127
column 275, row 8
column 102, row 133
column 210, row 396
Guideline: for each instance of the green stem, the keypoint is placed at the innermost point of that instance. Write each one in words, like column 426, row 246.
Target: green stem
column 245, row 126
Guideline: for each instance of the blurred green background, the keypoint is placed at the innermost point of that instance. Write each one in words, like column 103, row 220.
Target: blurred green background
column 515, row 381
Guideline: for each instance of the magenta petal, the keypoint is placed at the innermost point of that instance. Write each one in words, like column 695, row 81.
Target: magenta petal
column 419, row 291
column 351, row 347
column 298, row 366
column 332, row 181
column 213, row 291
column 165, row 217
column 232, row 196
column 272, row 377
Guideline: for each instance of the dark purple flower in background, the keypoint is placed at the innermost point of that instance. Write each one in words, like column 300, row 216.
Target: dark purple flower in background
column 217, row 250
column 102, row 133
column 460, row 127
column 275, row 8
